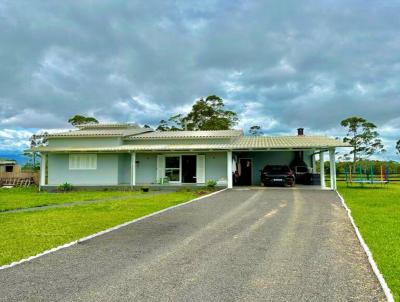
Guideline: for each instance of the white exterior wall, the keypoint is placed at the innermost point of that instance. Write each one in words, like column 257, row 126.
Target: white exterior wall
column 106, row 172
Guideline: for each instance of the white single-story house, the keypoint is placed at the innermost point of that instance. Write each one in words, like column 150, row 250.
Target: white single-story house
column 128, row 155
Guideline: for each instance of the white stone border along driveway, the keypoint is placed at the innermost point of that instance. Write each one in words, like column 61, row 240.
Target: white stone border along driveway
column 371, row 260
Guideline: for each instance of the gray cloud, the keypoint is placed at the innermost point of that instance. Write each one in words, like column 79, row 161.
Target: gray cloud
column 282, row 64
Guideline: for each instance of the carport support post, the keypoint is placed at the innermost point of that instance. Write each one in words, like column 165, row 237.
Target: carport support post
column 314, row 163
column 43, row 170
column 322, row 169
column 332, row 168
column 229, row 169
column 133, row 169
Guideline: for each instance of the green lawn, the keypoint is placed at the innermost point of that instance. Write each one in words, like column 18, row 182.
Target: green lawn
column 29, row 233
column 20, row 198
column 376, row 211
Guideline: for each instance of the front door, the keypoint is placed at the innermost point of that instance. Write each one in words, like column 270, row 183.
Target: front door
column 245, row 167
column 188, row 168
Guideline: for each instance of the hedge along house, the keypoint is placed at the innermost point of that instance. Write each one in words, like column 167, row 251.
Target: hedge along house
column 127, row 155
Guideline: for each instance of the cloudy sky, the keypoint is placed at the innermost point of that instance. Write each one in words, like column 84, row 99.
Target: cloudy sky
column 279, row 64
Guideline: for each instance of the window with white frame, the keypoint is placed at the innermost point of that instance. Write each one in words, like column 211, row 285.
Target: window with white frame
column 173, row 168
column 83, row 161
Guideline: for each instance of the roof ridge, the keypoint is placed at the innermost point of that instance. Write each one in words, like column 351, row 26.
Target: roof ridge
column 177, row 130
column 187, row 134
column 107, row 125
column 100, row 132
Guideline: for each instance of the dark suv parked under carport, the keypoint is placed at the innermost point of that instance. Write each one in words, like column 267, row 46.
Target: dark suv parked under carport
column 277, row 175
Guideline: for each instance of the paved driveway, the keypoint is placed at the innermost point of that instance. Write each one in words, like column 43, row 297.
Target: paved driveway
column 239, row 245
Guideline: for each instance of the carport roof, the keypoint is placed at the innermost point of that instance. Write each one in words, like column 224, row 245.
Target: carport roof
column 282, row 142
column 240, row 143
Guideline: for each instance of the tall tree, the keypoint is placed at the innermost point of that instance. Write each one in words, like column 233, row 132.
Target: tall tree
column 363, row 138
column 255, row 130
column 207, row 114
column 163, row 126
column 174, row 123
column 77, row 120
column 37, row 140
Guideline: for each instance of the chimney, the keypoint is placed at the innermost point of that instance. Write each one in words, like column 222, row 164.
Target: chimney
column 300, row 131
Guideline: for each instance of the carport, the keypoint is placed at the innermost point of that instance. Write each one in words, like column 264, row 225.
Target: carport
column 246, row 162
column 247, row 165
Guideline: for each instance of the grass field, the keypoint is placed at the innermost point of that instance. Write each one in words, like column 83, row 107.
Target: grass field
column 376, row 211
column 25, row 234
column 20, row 198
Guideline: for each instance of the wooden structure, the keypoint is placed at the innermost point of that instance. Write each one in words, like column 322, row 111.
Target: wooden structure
column 19, row 179
column 16, row 182
column 9, row 166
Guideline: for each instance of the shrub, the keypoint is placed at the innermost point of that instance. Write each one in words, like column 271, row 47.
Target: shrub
column 211, row 183
column 65, row 187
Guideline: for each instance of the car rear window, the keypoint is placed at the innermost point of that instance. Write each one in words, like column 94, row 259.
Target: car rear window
column 277, row 169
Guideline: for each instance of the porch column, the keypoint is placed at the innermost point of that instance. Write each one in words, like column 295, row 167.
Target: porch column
column 229, row 169
column 133, row 169
column 332, row 168
column 322, row 169
column 314, row 163
column 43, row 169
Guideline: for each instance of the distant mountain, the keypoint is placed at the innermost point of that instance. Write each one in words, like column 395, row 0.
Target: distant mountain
column 14, row 154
